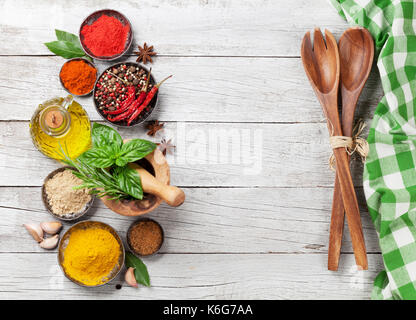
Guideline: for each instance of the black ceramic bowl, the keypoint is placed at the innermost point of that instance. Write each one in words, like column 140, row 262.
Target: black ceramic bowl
column 144, row 114
column 129, row 232
column 92, row 18
column 86, row 61
column 83, row 225
column 67, row 217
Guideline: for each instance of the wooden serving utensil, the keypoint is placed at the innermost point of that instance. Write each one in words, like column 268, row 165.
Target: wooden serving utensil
column 322, row 67
column 356, row 52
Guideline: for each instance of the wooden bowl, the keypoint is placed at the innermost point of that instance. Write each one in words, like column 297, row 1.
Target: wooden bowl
column 157, row 165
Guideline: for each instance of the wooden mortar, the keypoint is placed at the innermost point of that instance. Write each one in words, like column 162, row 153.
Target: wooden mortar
column 157, row 185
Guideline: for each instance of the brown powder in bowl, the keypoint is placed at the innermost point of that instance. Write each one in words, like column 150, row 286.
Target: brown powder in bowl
column 62, row 198
column 145, row 237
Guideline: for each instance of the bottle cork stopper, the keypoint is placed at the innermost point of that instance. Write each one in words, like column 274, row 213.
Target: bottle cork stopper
column 54, row 119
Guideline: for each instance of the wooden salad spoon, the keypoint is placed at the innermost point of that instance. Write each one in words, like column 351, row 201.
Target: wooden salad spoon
column 322, row 67
column 356, row 52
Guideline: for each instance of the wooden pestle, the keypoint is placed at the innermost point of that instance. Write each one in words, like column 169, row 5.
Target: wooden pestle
column 172, row 195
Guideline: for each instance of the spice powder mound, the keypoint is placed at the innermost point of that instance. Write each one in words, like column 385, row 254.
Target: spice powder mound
column 145, row 237
column 78, row 77
column 106, row 36
column 91, row 255
column 62, row 198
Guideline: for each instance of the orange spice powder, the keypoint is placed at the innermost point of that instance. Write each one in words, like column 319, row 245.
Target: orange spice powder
column 78, row 77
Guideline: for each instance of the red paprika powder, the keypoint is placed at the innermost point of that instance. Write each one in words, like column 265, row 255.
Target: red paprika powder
column 106, row 36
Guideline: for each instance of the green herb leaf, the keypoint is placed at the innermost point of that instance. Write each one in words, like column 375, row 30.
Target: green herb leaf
column 130, row 182
column 98, row 157
column 65, row 49
column 140, row 269
column 136, row 149
column 103, row 135
column 99, row 180
column 121, row 162
column 66, row 36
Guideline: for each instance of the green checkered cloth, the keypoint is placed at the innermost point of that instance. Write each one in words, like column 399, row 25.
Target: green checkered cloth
column 389, row 174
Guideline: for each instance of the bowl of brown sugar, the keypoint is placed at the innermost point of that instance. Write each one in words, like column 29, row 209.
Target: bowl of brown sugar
column 145, row 237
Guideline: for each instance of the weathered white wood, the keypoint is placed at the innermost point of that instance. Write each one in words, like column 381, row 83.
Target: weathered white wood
column 225, row 220
column 196, row 276
column 185, row 27
column 202, row 89
column 238, row 235
column 270, row 155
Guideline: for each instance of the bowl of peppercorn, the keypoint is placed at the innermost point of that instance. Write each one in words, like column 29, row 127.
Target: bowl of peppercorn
column 125, row 94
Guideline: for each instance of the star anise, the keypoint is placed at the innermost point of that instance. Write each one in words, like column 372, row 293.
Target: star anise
column 145, row 54
column 153, row 127
column 166, row 146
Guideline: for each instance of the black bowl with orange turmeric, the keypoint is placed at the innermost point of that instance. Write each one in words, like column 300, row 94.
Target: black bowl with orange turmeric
column 78, row 76
column 145, row 237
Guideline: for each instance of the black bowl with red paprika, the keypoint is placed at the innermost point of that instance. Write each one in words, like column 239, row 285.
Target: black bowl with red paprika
column 106, row 34
column 122, row 94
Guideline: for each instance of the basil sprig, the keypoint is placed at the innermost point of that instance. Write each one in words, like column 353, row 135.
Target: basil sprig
column 109, row 149
column 104, row 168
column 67, row 45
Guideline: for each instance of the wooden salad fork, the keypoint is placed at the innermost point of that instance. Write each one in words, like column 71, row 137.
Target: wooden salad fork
column 322, row 66
column 356, row 52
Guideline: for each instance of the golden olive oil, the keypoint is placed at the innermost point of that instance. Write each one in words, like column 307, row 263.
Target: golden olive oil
column 61, row 123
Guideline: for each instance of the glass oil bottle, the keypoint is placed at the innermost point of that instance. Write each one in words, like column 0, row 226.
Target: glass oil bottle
column 61, row 123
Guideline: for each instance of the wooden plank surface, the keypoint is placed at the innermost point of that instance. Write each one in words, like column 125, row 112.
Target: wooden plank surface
column 184, row 27
column 251, row 227
column 198, row 276
column 212, row 220
column 266, row 155
column 213, row 89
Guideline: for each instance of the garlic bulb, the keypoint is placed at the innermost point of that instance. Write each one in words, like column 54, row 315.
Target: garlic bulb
column 50, row 243
column 51, row 227
column 35, row 231
column 130, row 278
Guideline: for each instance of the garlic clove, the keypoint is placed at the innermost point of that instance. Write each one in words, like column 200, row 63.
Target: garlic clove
column 35, row 231
column 51, row 227
column 130, row 278
column 50, row 243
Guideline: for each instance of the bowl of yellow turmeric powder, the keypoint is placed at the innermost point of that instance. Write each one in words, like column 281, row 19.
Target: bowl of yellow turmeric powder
column 91, row 253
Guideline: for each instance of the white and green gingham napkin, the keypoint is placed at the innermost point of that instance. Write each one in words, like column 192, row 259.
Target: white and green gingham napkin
column 389, row 173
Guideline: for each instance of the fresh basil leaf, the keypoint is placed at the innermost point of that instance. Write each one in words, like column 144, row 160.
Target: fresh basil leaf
column 140, row 269
column 98, row 158
column 66, row 36
column 129, row 181
column 136, row 149
column 103, row 135
column 121, row 162
column 65, row 49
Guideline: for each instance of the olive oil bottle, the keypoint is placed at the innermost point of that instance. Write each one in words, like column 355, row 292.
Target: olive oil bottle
column 61, row 123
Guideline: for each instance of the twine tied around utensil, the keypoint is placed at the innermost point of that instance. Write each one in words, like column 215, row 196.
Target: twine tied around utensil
column 354, row 144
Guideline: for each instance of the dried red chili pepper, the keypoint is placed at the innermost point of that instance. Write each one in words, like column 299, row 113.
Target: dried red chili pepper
column 136, row 103
column 122, row 116
column 126, row 103
column 146, row 102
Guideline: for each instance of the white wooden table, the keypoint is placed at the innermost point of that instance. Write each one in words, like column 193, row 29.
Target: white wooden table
column 236, row 66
